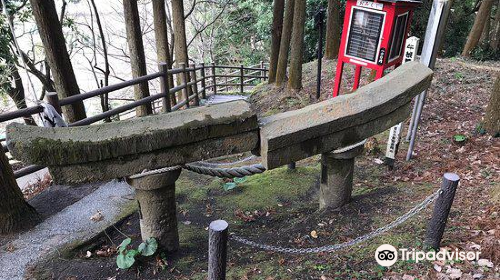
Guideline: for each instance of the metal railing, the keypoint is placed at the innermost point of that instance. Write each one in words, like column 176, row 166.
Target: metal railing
column 196, row 82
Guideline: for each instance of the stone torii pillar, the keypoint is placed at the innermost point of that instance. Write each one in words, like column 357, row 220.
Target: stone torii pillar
column 337, row 169
column 155, row 194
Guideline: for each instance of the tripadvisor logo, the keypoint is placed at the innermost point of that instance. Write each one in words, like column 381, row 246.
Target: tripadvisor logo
column 387, row 255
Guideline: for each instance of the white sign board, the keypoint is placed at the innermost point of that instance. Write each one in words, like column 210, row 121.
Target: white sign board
column 370, row 4
column 395, row 135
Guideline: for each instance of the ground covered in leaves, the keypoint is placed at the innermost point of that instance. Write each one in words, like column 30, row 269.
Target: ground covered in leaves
column 280, row 207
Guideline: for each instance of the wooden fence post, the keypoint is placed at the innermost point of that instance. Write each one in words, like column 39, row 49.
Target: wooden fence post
column 53, row 100
column 165, row 87
column 184, row 79
column 242, row 78
column 203, row 82
column 217, row 250
column 214, row 79
column 263, row 73
column 442, row 206
column 195, row 85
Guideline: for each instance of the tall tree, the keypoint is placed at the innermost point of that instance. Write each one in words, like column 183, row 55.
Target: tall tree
column 492, row 119
column 495, row 30
column 137, row 57
column 15, row 213
column 161, row 35
column 333, row 30
column 50, row 31
column 297, row 45
column 286, row 37
column 278, row 12
column 477, row 29
column 180, row 44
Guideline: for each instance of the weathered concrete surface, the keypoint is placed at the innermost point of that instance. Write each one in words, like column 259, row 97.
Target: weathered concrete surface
column 337, row 171
column 336, row 140
column 155, row 193
column 67, row 229
column 305, row 127
column 76, row 145
column 134, row 164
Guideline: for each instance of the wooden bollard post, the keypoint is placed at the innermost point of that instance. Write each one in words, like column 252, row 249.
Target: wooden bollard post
column 195, row 85
column 242, row 78
column 442, row 207
column 165, row 87
column 203, row 82
column 214, row 79
column 185, row 80
column 217, row 250
column 53, row 100
column 263, row 73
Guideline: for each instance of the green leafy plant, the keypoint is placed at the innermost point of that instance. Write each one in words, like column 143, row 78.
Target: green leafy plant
column 127, row 256
column 459, row 138
column 232, row 185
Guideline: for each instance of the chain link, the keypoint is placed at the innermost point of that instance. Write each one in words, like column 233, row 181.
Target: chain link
column 330, row 248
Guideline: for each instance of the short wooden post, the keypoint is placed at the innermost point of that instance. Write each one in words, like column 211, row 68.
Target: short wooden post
column 165, row 87
column 184, row 78
column 442, row 207
column 263, row 72
column 214, row 79
column 203, row 82
column 292, row 166
column 242, row 78
column 53, row 100
column 195, row 85
column 217, row 250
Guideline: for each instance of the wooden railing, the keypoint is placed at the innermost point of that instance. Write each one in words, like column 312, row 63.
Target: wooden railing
column 204, row 80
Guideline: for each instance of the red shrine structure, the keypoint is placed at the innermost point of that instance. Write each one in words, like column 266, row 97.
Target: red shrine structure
column 374, row 36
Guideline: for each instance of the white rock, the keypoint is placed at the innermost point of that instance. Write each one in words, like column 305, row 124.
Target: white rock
column 437, row 268
column 454, row 273
column 477, row 276
column 485, row 263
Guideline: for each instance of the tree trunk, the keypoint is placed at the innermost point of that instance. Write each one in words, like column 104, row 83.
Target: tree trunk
column 180, row 44
column 495, row 30
column 485, row 36
column 492, row 119
column 161, row 35
column 17, row 94
column 478, row 27
column 50, row 31
column 286, row 37
column 15, row 214
column 333, row 30
column 297, row 45
column 278, row 11
column 137, row 57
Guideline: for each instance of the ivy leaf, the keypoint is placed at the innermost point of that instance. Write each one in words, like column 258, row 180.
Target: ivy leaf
column 229, row 186
column 124, row 244
column 149, row 247
column 240, row 180
column 126, row 261
column 459, row 138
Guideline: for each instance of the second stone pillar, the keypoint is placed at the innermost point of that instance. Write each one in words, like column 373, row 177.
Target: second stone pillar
column 337, row 169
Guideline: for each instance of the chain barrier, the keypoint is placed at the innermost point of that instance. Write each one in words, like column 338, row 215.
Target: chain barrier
column 237, row 172
column 330, row 248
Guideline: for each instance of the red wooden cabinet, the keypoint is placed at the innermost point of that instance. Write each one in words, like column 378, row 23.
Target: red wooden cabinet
column 374, row 36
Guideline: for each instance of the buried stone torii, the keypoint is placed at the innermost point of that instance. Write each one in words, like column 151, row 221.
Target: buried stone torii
column 133, row 147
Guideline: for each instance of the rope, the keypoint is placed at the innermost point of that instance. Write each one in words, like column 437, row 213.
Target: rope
column 236, row 172
column 217, row 164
